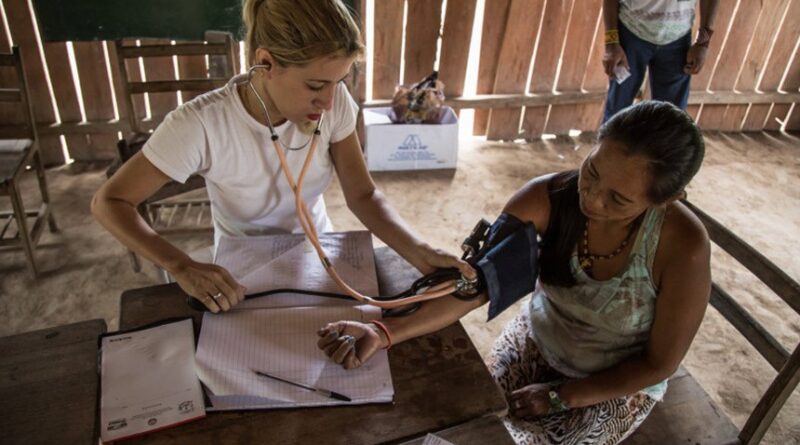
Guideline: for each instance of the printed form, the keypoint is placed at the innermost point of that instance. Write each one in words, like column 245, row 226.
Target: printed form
column 148, row 380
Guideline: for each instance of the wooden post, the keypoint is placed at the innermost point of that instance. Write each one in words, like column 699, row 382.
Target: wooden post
column 20, row 24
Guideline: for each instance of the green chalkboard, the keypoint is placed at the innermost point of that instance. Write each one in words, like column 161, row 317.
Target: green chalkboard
column 77, row 20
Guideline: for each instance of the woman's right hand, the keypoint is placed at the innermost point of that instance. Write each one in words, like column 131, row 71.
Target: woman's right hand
column 211, row 284
column 350, row 343
column 613, row 56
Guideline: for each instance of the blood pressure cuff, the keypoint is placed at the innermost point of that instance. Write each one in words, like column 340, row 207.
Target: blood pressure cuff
column 508, row 263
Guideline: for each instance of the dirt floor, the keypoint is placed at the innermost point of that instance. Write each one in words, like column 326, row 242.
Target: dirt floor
column 749, row 182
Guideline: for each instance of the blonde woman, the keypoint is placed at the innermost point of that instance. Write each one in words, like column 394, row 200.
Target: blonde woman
column 299, row 51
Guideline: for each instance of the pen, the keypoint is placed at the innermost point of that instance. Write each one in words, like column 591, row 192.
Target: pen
column 325, row 392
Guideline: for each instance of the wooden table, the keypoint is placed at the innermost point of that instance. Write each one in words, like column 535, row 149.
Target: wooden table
column 440, row 381
column 49, row 385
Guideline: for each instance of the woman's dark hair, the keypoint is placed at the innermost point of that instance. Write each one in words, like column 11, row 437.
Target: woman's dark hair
column 661, row 132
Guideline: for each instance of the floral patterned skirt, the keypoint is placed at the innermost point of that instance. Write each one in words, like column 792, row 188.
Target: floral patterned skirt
column 515, row 362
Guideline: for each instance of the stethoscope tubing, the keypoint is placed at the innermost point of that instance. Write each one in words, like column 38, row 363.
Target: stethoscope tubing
column 434, row 291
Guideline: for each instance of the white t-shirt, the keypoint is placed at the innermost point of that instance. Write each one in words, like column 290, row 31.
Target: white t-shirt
column 657, row 21
column 214, row 136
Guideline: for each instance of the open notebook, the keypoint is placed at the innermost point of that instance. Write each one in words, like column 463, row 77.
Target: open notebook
column 277, row 334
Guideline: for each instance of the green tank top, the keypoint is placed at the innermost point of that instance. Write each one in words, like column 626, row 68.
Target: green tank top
column 594, row 325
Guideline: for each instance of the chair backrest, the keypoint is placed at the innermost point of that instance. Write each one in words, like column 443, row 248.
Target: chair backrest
column 218, row 74
column 16, row 113
column 787, row 365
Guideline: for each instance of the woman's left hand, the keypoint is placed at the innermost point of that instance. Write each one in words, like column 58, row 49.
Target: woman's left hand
column 530, row 401
column 431, row 259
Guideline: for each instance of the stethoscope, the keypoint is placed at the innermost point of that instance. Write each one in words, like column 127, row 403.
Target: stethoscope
column 434, row 285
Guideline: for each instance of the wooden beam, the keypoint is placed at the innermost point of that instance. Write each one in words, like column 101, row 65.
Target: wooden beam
column 170, row 86
column 482, row 101
column 179, row 49
column 772, row 401
column 752, row 330
column 72, row 128
column 10, row 95
column 775, row 278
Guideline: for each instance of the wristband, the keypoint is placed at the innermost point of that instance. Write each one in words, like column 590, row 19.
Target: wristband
column 556, row 404
column 385, row 330
column 612, row 36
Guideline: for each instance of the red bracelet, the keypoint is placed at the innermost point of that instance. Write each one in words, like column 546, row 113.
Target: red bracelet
column 385, row 331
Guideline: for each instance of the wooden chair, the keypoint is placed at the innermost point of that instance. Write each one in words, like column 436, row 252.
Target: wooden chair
column 688, row 415
column 19, row 150
column 165, row 215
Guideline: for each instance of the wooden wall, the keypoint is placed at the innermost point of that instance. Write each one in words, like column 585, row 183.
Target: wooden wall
column 539, row 70
column 750, row 81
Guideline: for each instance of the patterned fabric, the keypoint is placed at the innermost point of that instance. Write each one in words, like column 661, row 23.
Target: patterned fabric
column 657, row 21
column 595, row 324
column 515, row 362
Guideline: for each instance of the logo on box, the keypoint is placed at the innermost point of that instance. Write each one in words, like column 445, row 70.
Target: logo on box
column 412, row 142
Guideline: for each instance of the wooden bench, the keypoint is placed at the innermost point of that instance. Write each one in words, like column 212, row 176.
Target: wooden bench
column 688, row 415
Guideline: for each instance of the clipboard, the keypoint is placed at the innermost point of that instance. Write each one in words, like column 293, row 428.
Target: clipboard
column 148, row 380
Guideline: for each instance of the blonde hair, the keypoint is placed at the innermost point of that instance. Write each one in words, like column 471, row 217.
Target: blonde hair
column 296, row 32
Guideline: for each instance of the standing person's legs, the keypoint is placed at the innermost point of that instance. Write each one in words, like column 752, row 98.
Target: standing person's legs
column 668, row 82
column 638, row 52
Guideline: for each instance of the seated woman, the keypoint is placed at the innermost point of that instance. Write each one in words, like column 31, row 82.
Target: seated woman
column 624, row 282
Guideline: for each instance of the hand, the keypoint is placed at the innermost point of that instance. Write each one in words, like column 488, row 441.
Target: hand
column 695, row 58
column 350, row 343
column 614, row 56
column 530, row 401
column 432, row 259
column 213, row 285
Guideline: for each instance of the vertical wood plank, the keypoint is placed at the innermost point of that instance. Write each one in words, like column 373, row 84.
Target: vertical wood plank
column 515, row 59
column 134, row 69
column 159, row 68
column 66, row 96
column 97, row 102
column 765, row 115
column 792, row 83
column 573, row 63
column 495, row 17
column 700, row 81
column 9, row 113
column 422, row 33
column 362, row 67
column 545, row 65
column 191, row 67
column 767, row 28
column 589, row 116
column 730, row 60
column 387, row 48
column 20, row 24
column 456, row 39
column 238, row 47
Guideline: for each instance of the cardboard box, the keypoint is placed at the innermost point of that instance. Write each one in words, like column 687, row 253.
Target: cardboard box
column 391, row 146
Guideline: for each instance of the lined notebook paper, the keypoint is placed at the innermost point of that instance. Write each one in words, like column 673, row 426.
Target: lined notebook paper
column 277, row 334
column 283, row 342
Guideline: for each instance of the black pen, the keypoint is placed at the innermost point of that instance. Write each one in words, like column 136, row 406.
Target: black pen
column 325, row 392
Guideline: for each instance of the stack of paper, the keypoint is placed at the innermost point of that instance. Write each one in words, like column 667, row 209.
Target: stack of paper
column 277, row 334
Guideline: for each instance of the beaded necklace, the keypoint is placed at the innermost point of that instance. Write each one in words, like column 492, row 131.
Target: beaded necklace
column 587, row 259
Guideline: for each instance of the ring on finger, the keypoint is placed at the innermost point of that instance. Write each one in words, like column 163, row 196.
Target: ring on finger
column 216, row 296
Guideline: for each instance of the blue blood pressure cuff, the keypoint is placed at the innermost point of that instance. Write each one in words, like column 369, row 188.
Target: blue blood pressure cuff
column 508, row 263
